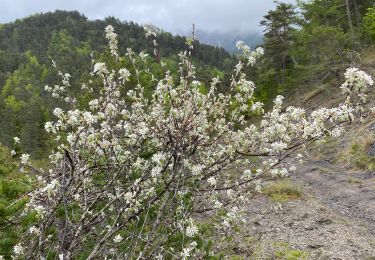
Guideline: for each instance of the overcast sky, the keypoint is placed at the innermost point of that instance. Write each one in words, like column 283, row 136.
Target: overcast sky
column 170, row 15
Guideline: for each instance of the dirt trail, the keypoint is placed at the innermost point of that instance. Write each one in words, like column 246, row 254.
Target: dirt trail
column 349, row 194
column 334, row 219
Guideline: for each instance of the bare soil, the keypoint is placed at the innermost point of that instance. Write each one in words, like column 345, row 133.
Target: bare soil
column 334, row 219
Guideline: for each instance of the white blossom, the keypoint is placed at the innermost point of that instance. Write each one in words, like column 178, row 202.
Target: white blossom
column 117, row 239
column 18, row 250
column 124, row 74
column 49, row 127
column 58, row 112
column 112, row 39
column 100, row 68
column 185, row 253
column 150, row 30
column 211, row 181
column 24, row 158
column 16, row 140
column 191, row 230
column 34, row 230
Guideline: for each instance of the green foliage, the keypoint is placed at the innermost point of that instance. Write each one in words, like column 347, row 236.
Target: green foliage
column 22, row 107
column 13, row 186
column 369, row 22
column 283, row 251
column 312, row 47
column 277, row 39
column 360, row 157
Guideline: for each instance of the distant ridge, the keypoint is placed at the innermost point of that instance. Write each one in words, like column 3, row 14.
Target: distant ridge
column 228, row 40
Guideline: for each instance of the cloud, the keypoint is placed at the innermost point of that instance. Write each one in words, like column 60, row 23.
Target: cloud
column 170, row 15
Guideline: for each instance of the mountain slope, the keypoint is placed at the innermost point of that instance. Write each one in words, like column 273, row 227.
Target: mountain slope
column 27, row 47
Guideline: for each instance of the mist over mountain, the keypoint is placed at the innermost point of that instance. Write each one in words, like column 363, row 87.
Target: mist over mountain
column 228, row 39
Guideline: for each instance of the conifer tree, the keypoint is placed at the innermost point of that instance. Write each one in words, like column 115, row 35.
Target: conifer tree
column 278, row 37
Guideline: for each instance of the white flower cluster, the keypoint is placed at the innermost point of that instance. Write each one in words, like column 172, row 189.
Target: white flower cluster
column 100, row 68
column 112, row 39
column 357, row 78
column 24, row 158
column 191, row 229
column 61, row 91
column 356, row 81
column 18, row 250
column 16, row 140
column 150, row 30
column 252, row 56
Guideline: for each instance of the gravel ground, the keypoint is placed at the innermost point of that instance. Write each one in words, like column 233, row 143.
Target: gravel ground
column 334, row 219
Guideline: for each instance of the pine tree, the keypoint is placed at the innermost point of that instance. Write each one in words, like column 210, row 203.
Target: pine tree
column 278, row 37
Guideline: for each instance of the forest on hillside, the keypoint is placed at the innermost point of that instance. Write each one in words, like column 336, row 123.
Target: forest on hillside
column 121, row 141
column 28, row 46
column 304, row 47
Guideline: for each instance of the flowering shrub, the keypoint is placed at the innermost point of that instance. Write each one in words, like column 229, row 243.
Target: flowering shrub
column 131, row 177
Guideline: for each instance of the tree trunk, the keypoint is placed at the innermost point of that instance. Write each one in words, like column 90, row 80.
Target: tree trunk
column 357, row 13
column 350, row 21
column 349, row 15
column 283, row 73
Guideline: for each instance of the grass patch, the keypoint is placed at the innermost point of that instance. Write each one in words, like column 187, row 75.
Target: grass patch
column 283, row 190
column 323, row 170
column 357, row 153
column 283, row 251
column 360, row 157
column 351, row 179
